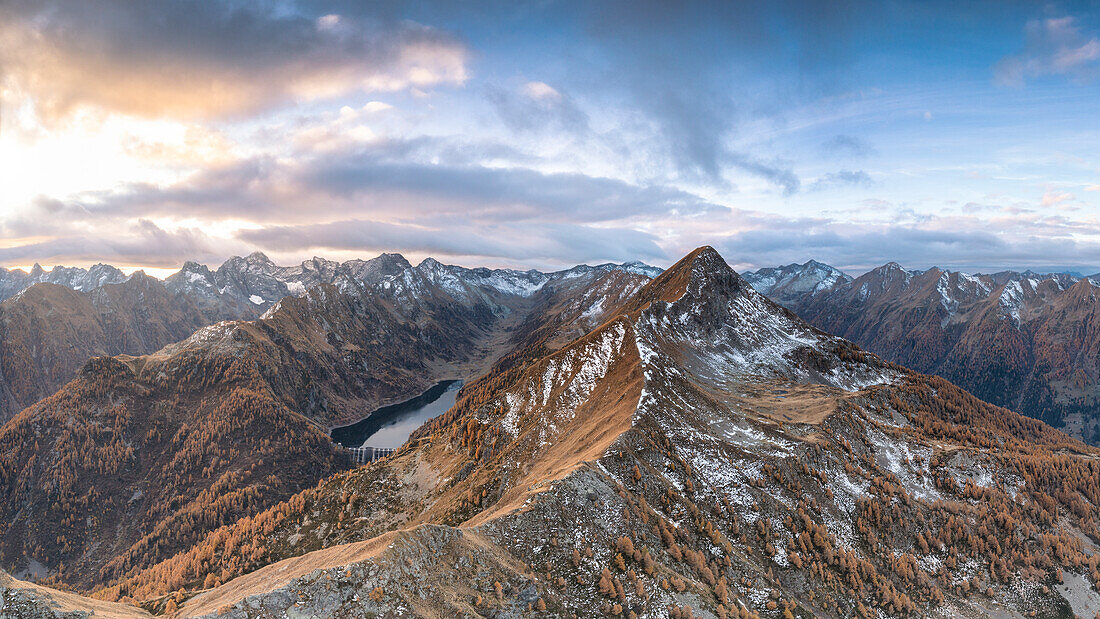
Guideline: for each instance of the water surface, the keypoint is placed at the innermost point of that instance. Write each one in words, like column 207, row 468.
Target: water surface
column 390, row 426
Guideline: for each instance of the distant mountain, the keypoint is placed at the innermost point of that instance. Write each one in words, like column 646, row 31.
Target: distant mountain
column 244, row 286
column 15, row 281
column 1021, row 340
column 699, row 452
column 796, row 281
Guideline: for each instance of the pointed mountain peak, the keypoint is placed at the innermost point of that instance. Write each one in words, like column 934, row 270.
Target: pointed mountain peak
column 641, row 268
column 890, row 271
column 258, row 257
column 430, row 264
column 704, row 259
column 192, row 266
column 393, row 259
column 705, row 253
column 140, row 278
column 703, row 267
column 1085, row 285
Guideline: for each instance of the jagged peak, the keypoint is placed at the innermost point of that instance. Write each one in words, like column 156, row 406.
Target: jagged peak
column 102, row 266
column 191, row 265
column 889, row 271
column 693, row 272
column 392, row 258
column 430, row 263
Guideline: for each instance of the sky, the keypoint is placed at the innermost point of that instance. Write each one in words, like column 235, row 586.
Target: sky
column 545, row 134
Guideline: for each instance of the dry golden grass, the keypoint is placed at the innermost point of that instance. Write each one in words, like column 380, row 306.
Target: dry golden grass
column 70, row 602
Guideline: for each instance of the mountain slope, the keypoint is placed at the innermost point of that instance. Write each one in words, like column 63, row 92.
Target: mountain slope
column 24, row 600
column 1015, row 339
column 48, row 331
column 141, row 456
column 702, row 451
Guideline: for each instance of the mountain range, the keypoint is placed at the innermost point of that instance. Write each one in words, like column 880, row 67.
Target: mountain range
column 627, row 443
column 1025, row 341
column 51, row 322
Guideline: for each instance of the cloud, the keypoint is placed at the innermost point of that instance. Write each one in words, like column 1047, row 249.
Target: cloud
column 847, row 145
column 775, row 172
column 422, row 192
column 541, row 91
column 560, row 243
column 140, row 242
column 393, row 179
column 842, row 178
column 1053, row 197
column 537, row 106
column 198, row 59
column 1053, row 47
column 701, row 74
column 957, row 241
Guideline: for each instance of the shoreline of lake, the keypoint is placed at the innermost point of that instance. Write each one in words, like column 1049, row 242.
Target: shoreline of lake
column 394, row 423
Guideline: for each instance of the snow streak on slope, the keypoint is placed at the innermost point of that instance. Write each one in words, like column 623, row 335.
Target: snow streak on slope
column 566, row 382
